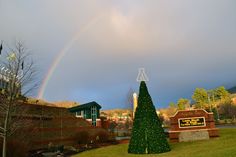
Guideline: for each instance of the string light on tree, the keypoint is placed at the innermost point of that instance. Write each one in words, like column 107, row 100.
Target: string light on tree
column 148, row 136
column 142, row 75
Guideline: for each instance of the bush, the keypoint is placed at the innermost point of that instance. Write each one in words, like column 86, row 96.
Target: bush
column 227, row 110
column 15, row 148
column 102, row 136
column 55, row 148
column 82, row 137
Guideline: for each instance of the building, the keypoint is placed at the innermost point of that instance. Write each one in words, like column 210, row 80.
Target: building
column 89, row 111
column 41, row 124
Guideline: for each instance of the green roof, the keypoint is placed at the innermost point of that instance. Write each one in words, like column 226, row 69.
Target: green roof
column 84, row 106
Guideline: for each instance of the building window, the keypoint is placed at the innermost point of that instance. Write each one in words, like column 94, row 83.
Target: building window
column 84, row 114
column 94, row 115
column 79, row 114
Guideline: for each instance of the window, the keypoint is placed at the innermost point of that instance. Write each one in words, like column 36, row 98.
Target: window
column 79, row 113
column 94, row 115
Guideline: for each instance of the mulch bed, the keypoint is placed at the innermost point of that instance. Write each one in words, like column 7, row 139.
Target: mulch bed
column 67, row 153
column 123, row 141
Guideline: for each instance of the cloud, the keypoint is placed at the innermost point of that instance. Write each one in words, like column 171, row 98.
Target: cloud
column 182, row 44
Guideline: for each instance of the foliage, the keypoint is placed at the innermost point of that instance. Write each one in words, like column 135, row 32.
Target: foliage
column 200, row 96
column 112, row 126
column 183, row 104
column 55, row 148
column 204, row 98
column 210, row 99
column 171, row 110
column 221, row 93
column 215, row 114
column 162, row 118
column 119, row 114
column 227, row 109
column 103, row 136
column 16, row 148
column 83, row 137
column 128, row 124
column 147, row 134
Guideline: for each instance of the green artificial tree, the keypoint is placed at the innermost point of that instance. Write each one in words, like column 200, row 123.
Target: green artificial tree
column 148, row 136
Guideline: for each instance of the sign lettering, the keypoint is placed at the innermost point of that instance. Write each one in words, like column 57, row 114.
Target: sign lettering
column 192, row 122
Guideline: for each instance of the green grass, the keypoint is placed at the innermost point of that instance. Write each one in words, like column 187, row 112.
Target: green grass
column 224, row 146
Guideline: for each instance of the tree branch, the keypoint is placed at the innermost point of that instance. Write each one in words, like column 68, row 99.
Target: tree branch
column 1, row 128
column 1, row 134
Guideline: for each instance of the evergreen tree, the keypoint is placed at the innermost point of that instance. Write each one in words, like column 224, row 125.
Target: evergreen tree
column 148, row 136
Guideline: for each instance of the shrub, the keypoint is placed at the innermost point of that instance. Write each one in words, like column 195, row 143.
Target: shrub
column 15, row 148
column 55, row 148
column 82, row 137
column 102, row 136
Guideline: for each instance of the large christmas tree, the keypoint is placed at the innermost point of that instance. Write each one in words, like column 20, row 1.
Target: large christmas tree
column 148, row 136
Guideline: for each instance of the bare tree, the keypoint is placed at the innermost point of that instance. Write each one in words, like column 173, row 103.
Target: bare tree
column 17, row 75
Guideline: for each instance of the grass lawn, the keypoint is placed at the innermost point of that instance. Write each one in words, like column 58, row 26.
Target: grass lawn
column 224, row 146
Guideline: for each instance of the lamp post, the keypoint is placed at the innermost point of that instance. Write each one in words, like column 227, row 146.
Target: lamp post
column 135, row 103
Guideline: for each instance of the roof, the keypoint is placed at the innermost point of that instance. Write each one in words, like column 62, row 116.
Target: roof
column 84, row 106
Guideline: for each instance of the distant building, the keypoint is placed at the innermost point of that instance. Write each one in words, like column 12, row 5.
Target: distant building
column 89, row 111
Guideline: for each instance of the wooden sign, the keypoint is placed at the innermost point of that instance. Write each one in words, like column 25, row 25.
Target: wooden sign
column 187, row 125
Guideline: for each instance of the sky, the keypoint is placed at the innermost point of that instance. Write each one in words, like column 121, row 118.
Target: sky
column 91, row 50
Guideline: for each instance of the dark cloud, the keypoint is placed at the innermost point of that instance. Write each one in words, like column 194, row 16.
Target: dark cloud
column 182, row 45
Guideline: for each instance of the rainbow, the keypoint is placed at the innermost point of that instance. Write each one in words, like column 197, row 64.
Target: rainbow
column 63, row 52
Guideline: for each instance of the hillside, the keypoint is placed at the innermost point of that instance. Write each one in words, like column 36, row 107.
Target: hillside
column 39, row 102
column 66, row 104
column 232, row 90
